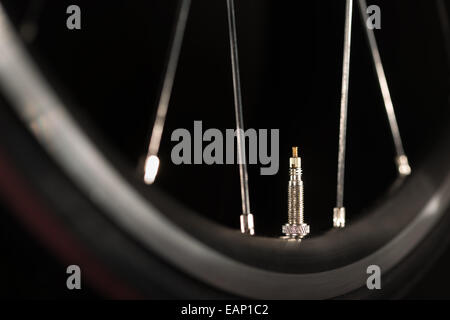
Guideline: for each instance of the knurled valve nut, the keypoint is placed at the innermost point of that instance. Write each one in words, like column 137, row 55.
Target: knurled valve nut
column 293, row 230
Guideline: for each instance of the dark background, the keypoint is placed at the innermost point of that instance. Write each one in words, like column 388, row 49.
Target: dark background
column 291, row 52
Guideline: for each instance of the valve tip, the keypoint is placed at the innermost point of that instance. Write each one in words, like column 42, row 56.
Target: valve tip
column 294, row 152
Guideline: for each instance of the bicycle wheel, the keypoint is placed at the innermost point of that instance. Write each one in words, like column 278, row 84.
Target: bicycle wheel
column 70, row 172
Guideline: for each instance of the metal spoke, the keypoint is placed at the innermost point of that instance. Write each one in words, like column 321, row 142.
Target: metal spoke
column 152, row 160
column 401, row 159
column 339, row 210
column 247, row 225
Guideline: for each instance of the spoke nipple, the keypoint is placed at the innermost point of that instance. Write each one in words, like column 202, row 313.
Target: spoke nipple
column 247, row 224
column 339, row 217
column 404, row 169
column 151, row 169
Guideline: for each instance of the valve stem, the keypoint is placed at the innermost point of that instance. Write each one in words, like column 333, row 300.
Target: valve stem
column 295, row 228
